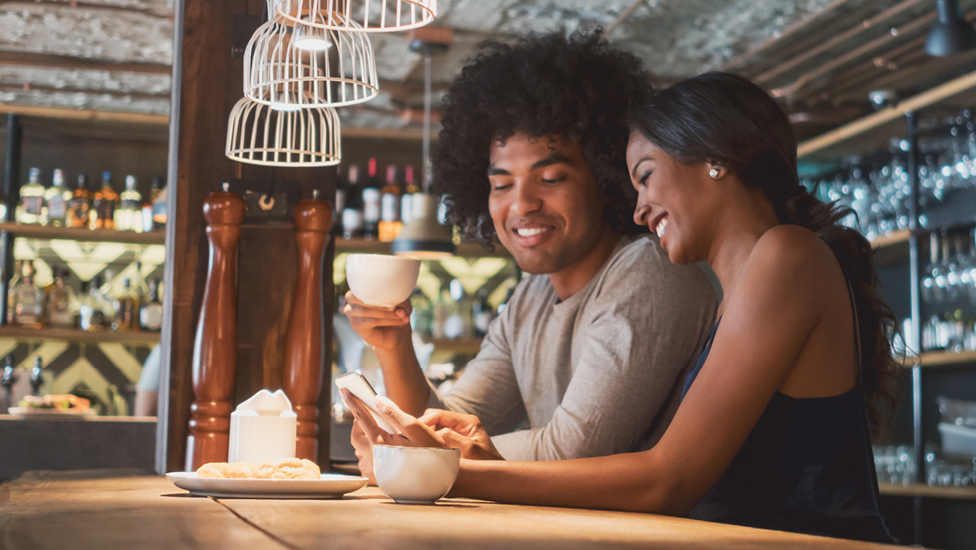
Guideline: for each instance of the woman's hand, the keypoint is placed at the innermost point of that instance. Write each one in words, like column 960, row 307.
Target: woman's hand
column 381, row 327
column 463, row 431
column 410, row 431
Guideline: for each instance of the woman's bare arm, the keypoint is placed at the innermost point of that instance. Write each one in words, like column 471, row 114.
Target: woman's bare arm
column 766, row 325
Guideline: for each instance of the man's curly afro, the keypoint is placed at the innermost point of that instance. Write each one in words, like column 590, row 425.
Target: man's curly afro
column 576, row 87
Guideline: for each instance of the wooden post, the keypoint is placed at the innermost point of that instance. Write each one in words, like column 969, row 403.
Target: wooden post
column 304, row 344
column 215, row 347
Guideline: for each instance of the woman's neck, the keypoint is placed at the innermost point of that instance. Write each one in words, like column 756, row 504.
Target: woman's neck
column 745, row 222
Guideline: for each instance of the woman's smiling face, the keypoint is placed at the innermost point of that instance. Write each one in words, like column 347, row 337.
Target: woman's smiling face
column 674, row 199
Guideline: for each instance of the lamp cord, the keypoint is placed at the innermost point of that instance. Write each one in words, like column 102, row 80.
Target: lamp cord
column 427, row 99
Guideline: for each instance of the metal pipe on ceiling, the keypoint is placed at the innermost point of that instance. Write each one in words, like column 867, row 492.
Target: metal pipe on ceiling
column 870, row 24
column 605, row 35
column 799, row 83
column 744, row 59
column 912, row 50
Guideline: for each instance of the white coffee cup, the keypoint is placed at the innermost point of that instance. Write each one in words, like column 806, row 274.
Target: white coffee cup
column 415, row 475
column 381, row 280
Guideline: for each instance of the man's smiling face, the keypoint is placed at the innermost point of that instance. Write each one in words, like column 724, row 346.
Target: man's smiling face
column 544, row 201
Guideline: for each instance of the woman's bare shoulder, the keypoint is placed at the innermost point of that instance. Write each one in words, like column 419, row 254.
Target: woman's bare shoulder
column 792, row 247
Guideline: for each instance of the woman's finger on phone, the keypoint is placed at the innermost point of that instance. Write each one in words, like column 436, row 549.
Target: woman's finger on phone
column 417, row 433
column 365, row 420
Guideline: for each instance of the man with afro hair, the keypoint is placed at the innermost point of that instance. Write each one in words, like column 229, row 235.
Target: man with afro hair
column 588, row 357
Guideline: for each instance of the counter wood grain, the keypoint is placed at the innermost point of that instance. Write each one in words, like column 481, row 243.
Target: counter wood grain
column 61, row 510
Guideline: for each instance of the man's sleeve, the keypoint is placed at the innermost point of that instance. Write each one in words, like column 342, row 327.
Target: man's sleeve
column 488, row 388
column 642, row 338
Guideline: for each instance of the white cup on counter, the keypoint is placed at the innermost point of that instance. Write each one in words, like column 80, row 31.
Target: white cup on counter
column 415, row 475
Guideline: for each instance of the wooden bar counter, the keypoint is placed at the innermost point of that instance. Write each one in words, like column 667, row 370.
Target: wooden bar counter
column 79, row 510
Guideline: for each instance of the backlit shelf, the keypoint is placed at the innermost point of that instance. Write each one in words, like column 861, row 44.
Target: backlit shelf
column 929, row 491
column 82, row 234
column 373, row 246
column 28, row 334
column 941, row 359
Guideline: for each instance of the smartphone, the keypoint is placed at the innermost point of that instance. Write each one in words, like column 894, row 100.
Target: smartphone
column 357, row 385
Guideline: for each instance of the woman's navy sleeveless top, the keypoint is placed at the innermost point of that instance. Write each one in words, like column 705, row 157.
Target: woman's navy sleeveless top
column 807, row 466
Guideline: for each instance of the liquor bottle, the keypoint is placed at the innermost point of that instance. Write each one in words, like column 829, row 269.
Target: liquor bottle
column 79, row 205
column 126, row 309
column 56, row 201
column 18, row 269
column 422, row 316
column 390, row 207
column 128, row 217
column 61, row 302
column 28, row 300
column 151, row 313
column 102, row 214
column 458, row 323
column 483, row 314
column 139, row 284
column 94, row 306
column 371, row 203
column 406, row 201
column 342, row 188
column 158, row 199
column 352, row 212
column 31, row 199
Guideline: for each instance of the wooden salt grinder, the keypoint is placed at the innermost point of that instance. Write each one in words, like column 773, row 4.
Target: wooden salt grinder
column 215, row 348
column 304, row 343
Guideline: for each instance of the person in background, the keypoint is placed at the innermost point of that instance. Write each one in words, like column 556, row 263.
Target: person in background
column 774, row 429
column 589, row 353
column 147, row 389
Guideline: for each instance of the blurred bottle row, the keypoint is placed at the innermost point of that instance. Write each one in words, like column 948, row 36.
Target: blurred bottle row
column 453, row 312
column 103, row 208
column 95, row 307
column 372, row 209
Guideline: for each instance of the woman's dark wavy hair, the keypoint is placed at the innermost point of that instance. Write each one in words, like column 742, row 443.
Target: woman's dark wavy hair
column 725, row 119
column 576, row 87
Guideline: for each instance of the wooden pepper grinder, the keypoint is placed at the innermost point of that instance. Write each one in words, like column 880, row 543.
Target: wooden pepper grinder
column 304, row 344
column 215, row 348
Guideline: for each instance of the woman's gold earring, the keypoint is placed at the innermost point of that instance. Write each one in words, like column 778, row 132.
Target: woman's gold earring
column 713, row 173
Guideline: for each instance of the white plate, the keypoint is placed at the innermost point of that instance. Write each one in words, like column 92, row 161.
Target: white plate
column 28, row 412
column 327, row 486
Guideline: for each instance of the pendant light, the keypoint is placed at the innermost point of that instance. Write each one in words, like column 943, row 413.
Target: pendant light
column 295, row 66
column 260, row 134
column 423, row 236
column 951, row 33
column 363, row 15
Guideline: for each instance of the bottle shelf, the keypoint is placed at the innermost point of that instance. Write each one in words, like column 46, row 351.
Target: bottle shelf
column 872, row 131
column 894, row 239
column 76, row 335
column 458, row 345
column 891, row 248
column 941, row 359
column 374, row 246
column 930, row 491
column 82, row 234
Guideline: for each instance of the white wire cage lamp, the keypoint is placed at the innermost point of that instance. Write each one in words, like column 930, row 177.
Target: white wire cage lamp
column 293, row 66
column 259, row 134
column 365, row 15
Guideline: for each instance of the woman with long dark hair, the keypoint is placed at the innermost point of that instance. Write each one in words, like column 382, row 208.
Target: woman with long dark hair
column 774, row 429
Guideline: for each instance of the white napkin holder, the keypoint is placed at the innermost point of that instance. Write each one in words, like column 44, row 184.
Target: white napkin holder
column 262, row 429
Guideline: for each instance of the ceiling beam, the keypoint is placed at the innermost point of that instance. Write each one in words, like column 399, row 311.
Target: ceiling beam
column 50, row 61
column 165, row 14
column 84, row 114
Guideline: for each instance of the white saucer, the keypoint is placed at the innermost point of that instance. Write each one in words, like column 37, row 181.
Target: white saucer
column 327, row 486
